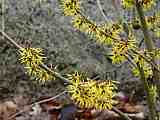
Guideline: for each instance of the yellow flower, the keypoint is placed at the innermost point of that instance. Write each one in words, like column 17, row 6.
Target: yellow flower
column 153, row 23
column 120, row 49
column 70, row 7
column 146, row 4
column 156, row 53
column 39, row 73
column 103, row 38
column 128, row 3
column 103, row 33
column 85, row 25
column 145, row 65
column 31, row 56
column 117, row 58
column 106, row 32
column 80, row 23
column 157, row 32
column 90, row 93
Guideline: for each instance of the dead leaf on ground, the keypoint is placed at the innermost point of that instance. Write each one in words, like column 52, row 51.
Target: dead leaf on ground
column 7, row 109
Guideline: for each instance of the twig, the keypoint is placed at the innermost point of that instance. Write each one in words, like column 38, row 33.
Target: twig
column 116, row 39
column 10, row 40
column 101, row 10
column 56, row 74
column 130, row 60
column 125, row 116
column 150, row 62
column 39, row 102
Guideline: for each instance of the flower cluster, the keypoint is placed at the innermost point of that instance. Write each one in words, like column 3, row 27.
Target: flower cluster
column 84, row 25
column 153, row 23
column 128, row 3
column 147, row 4
column 70, row 7
column 153, row 92
column 138, row 59
column 156, row 53
column 121, row 48
column 103, row 33
column 109, row 32
column 90, row 93
column 32, row 58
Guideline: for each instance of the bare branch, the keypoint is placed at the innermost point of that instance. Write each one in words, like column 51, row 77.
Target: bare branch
column 101, row 9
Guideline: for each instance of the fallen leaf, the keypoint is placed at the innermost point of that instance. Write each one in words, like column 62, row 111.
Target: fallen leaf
column 131, row 108
column 7, row 109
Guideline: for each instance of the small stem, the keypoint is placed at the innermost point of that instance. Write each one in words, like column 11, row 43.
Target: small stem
column 56, row 74
column 10, row 40
column 130, row 60
column 116, row 39
column 147, row 60
column 121, row 113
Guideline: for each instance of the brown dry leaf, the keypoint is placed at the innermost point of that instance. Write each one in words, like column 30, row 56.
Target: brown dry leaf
column 7, row 109
column 50, row 105
column 53, row 107
column 131, row 108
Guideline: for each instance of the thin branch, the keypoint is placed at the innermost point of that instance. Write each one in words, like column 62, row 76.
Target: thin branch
column 125, row 116
column 49, row 99
column 56, row 74
column 130, row 61
column 10, row 40
column 147, row 60
column 96, row 26
column 101, row 10
column 31, row 105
